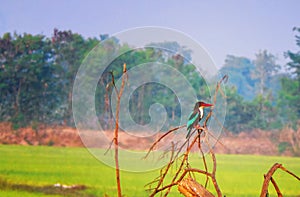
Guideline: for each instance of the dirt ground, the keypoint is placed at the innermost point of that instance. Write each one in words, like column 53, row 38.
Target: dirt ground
column 284, row 142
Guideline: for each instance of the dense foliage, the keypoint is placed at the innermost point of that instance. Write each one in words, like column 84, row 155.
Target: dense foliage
column 37, row 75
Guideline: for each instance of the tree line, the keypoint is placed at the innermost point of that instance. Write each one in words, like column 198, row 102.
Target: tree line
column 37, row 75
column 263, row 94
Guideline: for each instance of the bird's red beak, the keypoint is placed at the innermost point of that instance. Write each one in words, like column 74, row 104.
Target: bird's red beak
column 207, row 105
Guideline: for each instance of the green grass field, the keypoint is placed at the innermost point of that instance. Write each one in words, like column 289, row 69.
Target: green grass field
column 27, row 170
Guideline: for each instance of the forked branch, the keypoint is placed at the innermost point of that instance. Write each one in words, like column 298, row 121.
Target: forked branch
column 268, row 178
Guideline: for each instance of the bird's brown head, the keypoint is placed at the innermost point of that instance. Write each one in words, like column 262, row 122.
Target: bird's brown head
column 201, row 104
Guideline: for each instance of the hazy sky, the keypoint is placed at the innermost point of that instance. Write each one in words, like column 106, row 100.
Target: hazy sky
column 240, row 28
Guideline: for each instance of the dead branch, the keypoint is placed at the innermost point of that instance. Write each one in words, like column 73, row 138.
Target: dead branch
column 289, row 172
column 184, row 161
column 166, row 171
column 213, row 174
column 202, row 155
column 161, row 137
column 224, row 79
column 188, row 170
column 190, row 188
column 173, row 182
column 279, row 194
column 268, row 178
column 116, row 132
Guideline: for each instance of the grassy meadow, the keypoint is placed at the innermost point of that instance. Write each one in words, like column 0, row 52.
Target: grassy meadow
column 31, row 170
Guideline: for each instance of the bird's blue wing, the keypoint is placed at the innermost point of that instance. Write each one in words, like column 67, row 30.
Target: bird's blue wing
column 192, row 118
column 191, row 121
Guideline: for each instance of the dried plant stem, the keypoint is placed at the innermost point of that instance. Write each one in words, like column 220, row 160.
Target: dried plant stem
column 116, row 132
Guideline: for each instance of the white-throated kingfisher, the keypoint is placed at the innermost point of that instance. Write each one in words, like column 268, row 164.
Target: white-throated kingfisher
column 196, row 116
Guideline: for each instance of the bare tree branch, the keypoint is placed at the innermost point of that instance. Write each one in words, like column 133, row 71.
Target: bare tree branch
column 268, row 178
column 161, row 137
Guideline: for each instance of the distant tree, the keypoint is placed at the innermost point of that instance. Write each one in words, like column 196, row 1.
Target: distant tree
column 264, row 72
column 265, row 68
column 265, row 114
column 27, row 88
column 289, row 95
column 70, row 49
column 288, row 101
column 240, row 71
column 294, row 64
column 147, row 94
column 174, row 48
column 234, row 121
column 7, row 55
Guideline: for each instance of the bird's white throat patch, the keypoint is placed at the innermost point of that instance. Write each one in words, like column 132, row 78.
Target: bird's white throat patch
column 201, row 112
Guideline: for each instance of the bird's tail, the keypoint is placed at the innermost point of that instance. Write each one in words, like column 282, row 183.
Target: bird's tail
column 188, row 134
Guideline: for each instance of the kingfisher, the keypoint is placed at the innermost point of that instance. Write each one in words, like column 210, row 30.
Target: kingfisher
column 196, row 116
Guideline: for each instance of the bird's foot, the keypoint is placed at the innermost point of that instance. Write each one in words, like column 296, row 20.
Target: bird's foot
column 198, row 127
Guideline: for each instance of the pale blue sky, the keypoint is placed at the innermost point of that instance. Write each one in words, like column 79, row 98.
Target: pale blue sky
column 240, row 28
